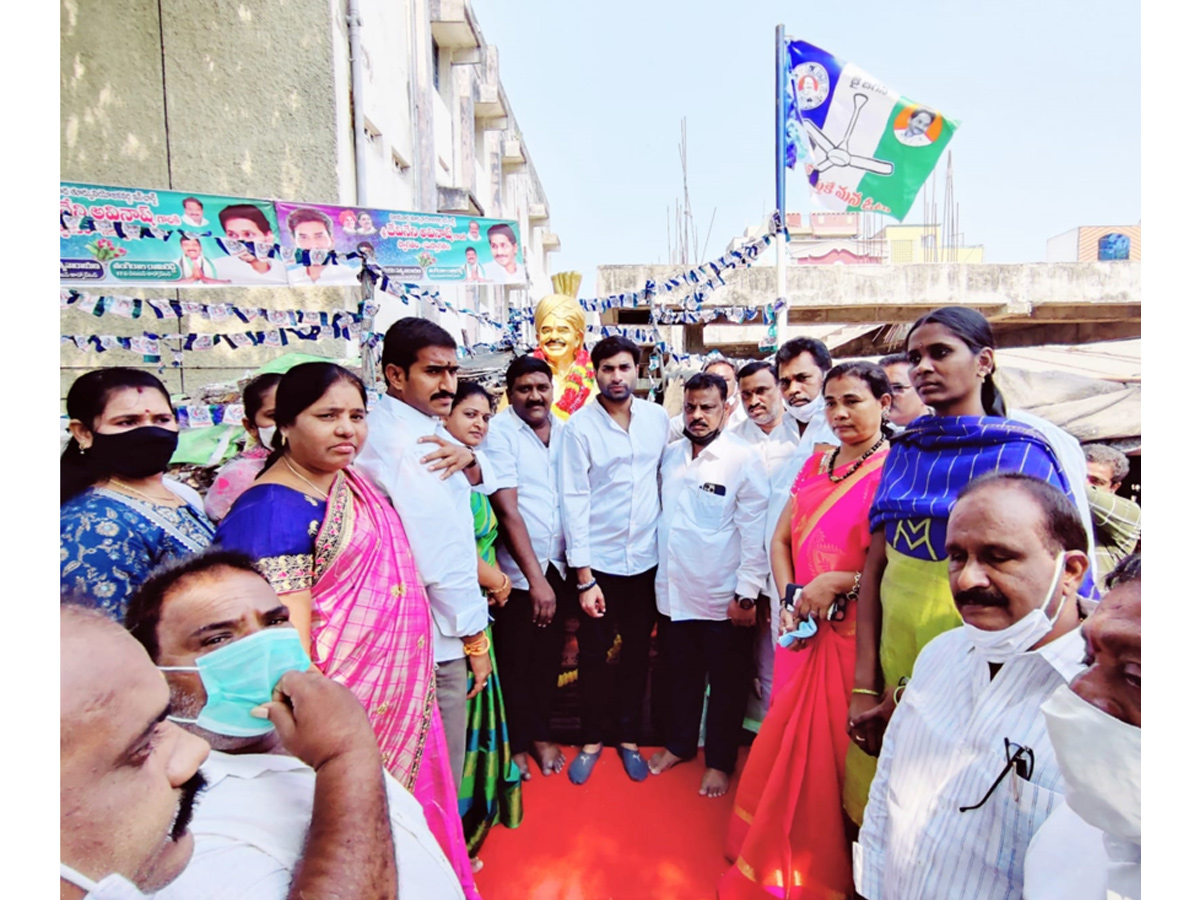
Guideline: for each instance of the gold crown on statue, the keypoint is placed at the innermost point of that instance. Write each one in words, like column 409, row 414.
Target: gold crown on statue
column 567, row 283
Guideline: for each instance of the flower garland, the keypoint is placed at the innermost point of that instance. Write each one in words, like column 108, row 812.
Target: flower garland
column 579, row 383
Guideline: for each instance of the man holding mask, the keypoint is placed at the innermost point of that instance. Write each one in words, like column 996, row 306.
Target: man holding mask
column 967, row 772
column 297, row 794
column 711, row 566
column 1091, row 846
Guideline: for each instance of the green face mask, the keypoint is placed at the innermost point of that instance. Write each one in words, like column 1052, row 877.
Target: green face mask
column 241, row 676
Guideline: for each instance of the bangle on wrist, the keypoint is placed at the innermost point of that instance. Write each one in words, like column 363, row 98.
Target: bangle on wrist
column 474, row 461
column 852, row 594
column 898, row 689
column 478, row 647
column 866, row 691
column 504, row 586
column 586, row 586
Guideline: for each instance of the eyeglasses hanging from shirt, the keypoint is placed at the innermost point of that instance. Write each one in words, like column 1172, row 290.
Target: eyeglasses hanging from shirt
column 1019, row 762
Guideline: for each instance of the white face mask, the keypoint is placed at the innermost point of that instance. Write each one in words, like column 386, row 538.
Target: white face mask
column 807, row 412
column 110, row 887
column 1000, row 646
column 266, row 435
column 1100, row 758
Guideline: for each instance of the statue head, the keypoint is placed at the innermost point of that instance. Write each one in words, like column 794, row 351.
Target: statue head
column 559, row 323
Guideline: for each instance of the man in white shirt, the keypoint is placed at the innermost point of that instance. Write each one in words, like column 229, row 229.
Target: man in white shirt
column 608, row 476
column 312, row 230
column 711, row 567
column 967, row 772
column 800, row 367
column 523, row 445
column 246, row 222
column 734, row 414
column 193, row 213
column 1091, row 846
column 504, row 268
column 307, row 802
column 420, row 364
column 128, row 778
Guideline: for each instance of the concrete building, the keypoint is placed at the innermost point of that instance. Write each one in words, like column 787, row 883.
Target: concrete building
column 1089, row 243
column 261, row 99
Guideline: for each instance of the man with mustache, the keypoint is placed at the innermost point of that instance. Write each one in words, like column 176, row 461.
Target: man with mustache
column 128, row 777
column 711, row 566
column 420, row 365
column 303, row 807
column 967, row 772
column 608, row 474
column 524, row 446
column 800, row 367
column 734, row 413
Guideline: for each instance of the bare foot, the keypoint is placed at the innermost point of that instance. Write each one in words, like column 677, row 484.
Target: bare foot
column 714, row 783
column 549, row 756
column 663, row 760
column 521, row 761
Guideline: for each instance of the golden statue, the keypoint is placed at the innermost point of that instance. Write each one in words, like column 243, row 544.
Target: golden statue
column 559, row 325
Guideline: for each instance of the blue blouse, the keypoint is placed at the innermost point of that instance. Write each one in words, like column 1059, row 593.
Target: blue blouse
column 109, row 543
column 277, row 527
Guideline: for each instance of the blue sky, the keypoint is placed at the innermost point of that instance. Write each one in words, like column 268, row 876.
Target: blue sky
column 1048, row 94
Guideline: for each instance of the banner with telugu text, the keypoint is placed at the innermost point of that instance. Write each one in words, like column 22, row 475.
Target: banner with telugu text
column 869, row 149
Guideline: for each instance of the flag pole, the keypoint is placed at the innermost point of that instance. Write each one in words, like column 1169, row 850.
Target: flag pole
column 780, row 184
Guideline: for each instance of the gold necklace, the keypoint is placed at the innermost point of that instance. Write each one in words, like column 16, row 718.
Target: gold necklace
column 324, row 494
column 158, row 501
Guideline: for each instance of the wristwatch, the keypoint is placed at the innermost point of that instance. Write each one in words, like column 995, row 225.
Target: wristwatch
column 745, row 603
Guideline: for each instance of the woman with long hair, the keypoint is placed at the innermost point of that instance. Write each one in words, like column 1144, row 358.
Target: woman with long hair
column 232, row 479
column 118, row 516
column 905, row 598
column 490, row 792
column 336, row 553
column 786, row 833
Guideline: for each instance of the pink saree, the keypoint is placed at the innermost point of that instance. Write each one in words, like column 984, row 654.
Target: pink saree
column 372, row 631
column 786, row 837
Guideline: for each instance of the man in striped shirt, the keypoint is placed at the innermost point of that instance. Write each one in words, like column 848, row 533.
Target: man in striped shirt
column 967, row 773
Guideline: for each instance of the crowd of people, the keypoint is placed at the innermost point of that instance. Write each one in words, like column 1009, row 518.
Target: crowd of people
column 339, row 687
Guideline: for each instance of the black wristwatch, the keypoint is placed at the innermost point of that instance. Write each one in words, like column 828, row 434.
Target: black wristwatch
column 474, row 461
column 746, row 603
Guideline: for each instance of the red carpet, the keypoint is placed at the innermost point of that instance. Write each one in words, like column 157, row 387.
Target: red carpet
column 611, row 839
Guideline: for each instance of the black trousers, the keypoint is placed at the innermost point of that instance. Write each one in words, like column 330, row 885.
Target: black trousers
column 529, row 658
column 629, row 609
column 724, row 653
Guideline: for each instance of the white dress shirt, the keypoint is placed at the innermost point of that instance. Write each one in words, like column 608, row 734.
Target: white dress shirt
column 816, row 432
column 252, row 821
column 943, row 749
column 775, row 448
column 520, row 460
column 436, row 514
column 608, row 485
column 1066, row 858
column 736, row 418
column 708, row 545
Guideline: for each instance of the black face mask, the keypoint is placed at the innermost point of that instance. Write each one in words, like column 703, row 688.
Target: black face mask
column 702, row 441
column 137, row 453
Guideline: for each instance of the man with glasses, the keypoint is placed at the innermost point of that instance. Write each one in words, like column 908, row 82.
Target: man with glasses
column 906, row 403
column 967, row 772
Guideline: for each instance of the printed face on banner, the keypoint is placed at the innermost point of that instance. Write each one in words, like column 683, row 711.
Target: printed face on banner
column 411, row 248
column 99, row 244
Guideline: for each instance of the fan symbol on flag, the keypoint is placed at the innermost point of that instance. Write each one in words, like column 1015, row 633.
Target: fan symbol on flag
column 838, row 155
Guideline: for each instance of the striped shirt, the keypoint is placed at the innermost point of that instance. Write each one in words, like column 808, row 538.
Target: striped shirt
column 943, row 749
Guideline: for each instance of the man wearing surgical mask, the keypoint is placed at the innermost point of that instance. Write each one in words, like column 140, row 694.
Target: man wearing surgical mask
column 967, row 772
column 298, row 803
column 1091, row 846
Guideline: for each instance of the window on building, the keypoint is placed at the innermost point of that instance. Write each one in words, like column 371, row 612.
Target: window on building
column 437, row 67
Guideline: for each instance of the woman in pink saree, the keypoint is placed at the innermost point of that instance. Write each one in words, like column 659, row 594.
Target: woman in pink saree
column 336, row 553
column 786, row 836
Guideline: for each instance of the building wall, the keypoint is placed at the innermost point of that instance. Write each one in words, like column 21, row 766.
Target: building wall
column 1090, row 235
column 253, row 99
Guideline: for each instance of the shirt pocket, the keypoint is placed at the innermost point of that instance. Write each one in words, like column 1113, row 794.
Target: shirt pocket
column 708, row 509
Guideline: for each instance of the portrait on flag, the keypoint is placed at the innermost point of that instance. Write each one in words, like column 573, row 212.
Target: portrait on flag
column 866, row 147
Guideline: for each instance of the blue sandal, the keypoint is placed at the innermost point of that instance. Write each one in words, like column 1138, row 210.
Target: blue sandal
column 581, row 767
column 635, row 766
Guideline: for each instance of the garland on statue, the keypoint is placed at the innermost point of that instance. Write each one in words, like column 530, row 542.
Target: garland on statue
column 580, row 382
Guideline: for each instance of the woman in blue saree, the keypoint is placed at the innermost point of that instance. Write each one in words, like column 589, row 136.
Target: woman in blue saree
column 118, row 516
